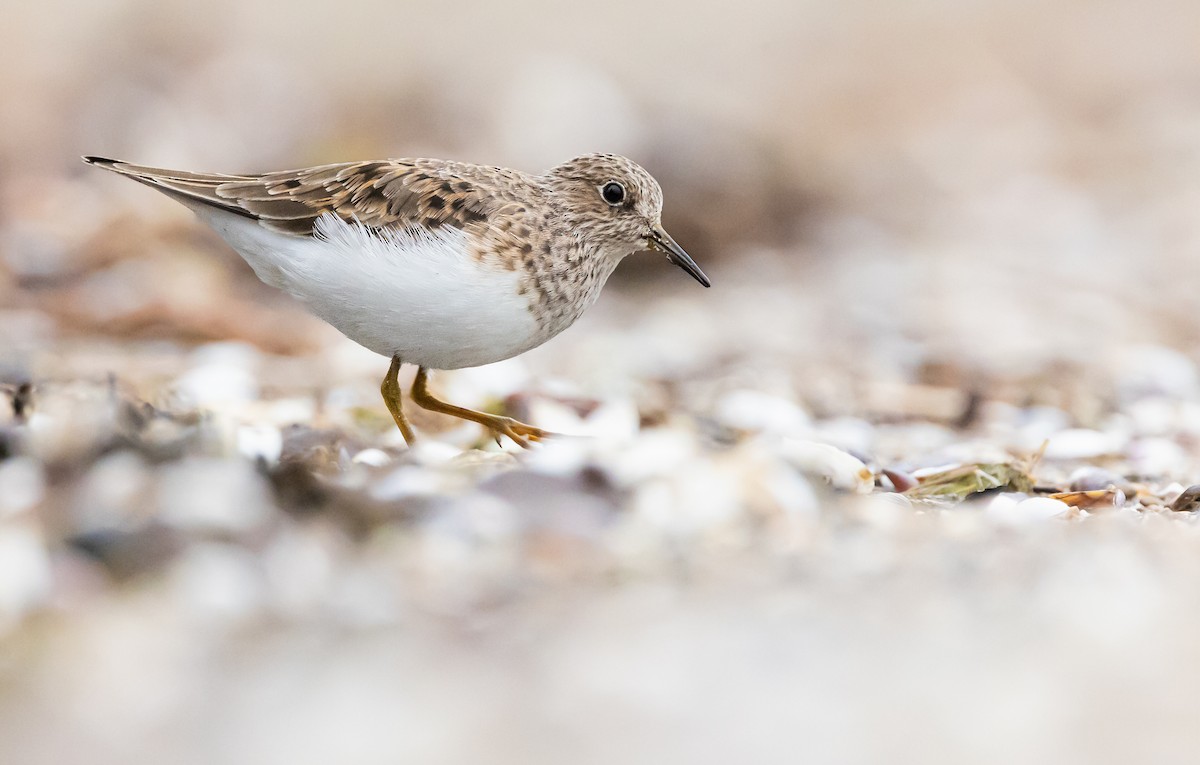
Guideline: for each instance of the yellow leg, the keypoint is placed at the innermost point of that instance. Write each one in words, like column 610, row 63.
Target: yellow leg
column 519, row 432
column 391, row 396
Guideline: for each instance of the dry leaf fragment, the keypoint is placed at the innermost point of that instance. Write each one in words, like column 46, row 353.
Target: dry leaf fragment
column 965, row 480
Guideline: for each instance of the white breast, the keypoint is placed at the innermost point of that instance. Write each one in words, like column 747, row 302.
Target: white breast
column 419, row 294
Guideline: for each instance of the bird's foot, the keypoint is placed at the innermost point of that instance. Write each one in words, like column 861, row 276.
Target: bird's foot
column 519, row 432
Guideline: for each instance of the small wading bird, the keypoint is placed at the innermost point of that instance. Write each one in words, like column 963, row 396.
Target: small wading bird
column 435, row 263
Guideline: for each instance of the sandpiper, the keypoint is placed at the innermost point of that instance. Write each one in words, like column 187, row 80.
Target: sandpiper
column 431, row 262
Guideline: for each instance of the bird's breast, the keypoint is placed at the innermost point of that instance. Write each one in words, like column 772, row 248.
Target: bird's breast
column 420, row 293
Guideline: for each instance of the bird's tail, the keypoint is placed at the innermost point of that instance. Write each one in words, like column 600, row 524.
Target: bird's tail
column 189, row 188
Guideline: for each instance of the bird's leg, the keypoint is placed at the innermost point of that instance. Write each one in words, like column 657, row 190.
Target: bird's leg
column 519, row 432
column 391, row 396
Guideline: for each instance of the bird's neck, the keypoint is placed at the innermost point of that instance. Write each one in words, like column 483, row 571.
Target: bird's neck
column 571, row 283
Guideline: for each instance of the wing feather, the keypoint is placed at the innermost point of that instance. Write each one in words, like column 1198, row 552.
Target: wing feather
column 380, row 193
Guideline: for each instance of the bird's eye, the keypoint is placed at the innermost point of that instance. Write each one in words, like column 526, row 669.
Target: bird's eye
column 613, row 193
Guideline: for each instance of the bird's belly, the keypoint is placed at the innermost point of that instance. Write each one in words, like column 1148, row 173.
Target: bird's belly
column 421, row 295
column 441, row 324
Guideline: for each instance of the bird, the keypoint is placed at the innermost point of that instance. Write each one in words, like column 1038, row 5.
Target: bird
column 433, row 262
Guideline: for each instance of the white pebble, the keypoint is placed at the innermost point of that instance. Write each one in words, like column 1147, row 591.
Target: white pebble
column 1008, row 510
column 706, row 495
column 373, row 457
column 113, row 494
column 22, row 485
column 431, row 453
column 616, row 421
column 260, row 442
column 406, row 481
column 224, row 374
column 841, row 469
column 757, row 411
column 288, row 411
column 655, row 452
column 555, row 417
column 559, row 456
column 478, row 384
column 1092, row 478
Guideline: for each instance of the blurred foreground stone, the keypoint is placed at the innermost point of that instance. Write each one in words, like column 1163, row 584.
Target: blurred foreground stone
column 272, row 576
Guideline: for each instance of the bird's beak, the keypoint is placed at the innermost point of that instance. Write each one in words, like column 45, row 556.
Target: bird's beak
column 660, row 240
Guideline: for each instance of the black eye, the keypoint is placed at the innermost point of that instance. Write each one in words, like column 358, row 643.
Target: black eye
column 613, row 193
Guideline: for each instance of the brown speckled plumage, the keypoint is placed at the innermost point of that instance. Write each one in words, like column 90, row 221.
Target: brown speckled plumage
column 444, row 264
column 555, row 227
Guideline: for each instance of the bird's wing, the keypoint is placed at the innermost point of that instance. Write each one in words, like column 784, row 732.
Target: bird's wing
column 378, row 194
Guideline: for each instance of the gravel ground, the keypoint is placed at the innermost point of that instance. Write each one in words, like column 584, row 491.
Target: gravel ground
column 705, row 568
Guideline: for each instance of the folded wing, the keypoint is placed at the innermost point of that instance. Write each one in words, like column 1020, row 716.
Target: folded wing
column 378, row 194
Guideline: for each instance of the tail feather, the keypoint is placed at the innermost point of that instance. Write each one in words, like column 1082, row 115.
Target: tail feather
column 182, row 185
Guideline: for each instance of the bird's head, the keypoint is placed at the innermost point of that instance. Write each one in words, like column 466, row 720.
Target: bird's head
column 615, row 204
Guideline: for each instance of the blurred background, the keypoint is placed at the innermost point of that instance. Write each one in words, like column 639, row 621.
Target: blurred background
column 939, row 233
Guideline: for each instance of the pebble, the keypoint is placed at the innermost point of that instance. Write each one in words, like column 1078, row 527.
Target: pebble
column 373, row 457
column 655, row 453
column 431, row 453
column 475, row 385
column 1188, row 500
column 1011, row 510
column 841, row 470
column 560, row 456
column 263, row 442
column 556, row 417
column 615, row 421
column 1092, row 478
column 752, row 410
column 223, row 374
column 114, row 495
column 22, row 485
column 405, row 482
